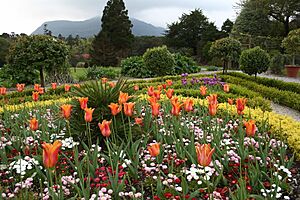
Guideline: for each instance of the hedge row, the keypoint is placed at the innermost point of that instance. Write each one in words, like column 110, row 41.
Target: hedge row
column 286, row 98
column 293, row 87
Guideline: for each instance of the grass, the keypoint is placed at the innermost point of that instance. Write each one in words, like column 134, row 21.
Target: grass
column 77, row 73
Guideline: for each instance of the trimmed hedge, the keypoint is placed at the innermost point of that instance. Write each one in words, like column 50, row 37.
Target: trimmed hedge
column 293, row 87
column 286, row 98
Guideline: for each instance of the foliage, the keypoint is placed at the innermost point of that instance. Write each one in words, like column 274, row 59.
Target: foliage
column 227, row 27
column 96, row 73
column 115, row 38
column 184, row 64
column 292, row 43
column 227, row 49
column 254, row 61
column 30, row 54
column 142, row 43
column 277, row 63
column 212, row 68
column 4, row 46
column 159, row 61
column 135, row 67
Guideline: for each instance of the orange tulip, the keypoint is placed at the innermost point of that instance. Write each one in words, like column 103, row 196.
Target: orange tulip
column 2, row 90
column 112, row 84
column 204, row 154
column 35, row 96
column 156, row 94
column 36, row 87
column 41, row 90
column 77, row 85
column 174, row 100
column 88, row 116
column 154, row 149
column 54, row 86
column 138, row 120
column 159, row 87
column 250, row 128
column 136, row 87
column 226, row 87
column 66, row 110
column 155, row 109
column 152, row 100
column 20, row 87
column 104, row 127
column 128, row 109
column 104, row 80
column 203, row 90
column 33, row 124
column 169, row 82
column 176, row 107
column 115, row 108
column 67, row 88
column 212, row 99
column 150, row 91
column 123, row 97
column 188, row 105
column 169, row 93
column 83, row 102
column 230, row 101
column 50, row 153
column 212, row 108
column 240, row 105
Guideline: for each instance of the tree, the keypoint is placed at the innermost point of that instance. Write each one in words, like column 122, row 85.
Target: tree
column 193, row 30
column 115, row 39
column 36, row 52
column 254, row 61
column 4, row 46
column 227, row 49
column 292, row 43
column 227, row 27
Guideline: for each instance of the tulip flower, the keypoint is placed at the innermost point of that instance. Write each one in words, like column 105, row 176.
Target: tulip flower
column 123, row 97
column 250, row 128
column 41, row 90
column 169, row 82
column 36, row 87
column 176, row 107
column 156, row 94
column 88, row 116
column 150, row 91
column 188, row 105
column 203, row 90
column 115, row 108
column 20, row 87
column 212, row 108
column 104, row 80
column 174, row 100
column 77, row 85
column 128, row 109
column 155, row 109
column 33, row 124
column 67, row 88
column 159, row 87
column 104, row 128
column 66, row 110
column 50, row 153
column 138, row 120
column 83, row 102
column 204, row 154
column 230, row 101
column 2, row 90
column 152, row 100
column 240, row 105
column 154, row 149
column 212, row 99
column 226, row 88
column 54, row 86
column 35, row 96
column 112, row 84
column 136, row 87
column 169, row 93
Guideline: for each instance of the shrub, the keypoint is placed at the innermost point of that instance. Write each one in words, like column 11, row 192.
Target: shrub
column 292, row 43
column 159, row 61
column 96, row 73
column 212, row 68
column 135, row 67
column 184, row 64
column 277, row 64
column 254, row 61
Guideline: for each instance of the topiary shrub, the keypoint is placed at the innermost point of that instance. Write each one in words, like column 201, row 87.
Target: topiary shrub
column 254, row 61
column 159, row 61
column 135, row 67
column 95, row 73
column 292, row 44
column 277, row 63
column 184, row 64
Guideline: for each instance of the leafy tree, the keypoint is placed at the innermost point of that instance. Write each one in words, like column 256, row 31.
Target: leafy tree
column 115, row 38
column 36, row 52
column 193, row 30
column 4, row 46
column 142, row 43
column 292, row 43
column 227, row 27
column 254, row 61
column 227, row 49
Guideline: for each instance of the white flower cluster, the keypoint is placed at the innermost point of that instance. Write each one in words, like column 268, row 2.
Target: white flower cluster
column 21, row 165
column 4, row 142
column 130, row 195
column 103, row 194
column 199, row 173
column 68, row 143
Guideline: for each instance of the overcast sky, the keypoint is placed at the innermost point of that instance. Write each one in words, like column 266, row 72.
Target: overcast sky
column 24, row 16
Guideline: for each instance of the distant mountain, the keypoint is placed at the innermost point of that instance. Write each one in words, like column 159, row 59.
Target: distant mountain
column 91, row 27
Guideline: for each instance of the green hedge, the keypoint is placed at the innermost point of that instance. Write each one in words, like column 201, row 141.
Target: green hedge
column 286, row 98
column 293, row 87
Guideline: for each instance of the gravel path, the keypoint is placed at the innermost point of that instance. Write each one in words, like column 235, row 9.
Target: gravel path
column 282, row 78
column 283, row 110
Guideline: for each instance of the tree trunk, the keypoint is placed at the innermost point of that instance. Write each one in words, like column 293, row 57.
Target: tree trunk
column 287, row 25
column 42, row 77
